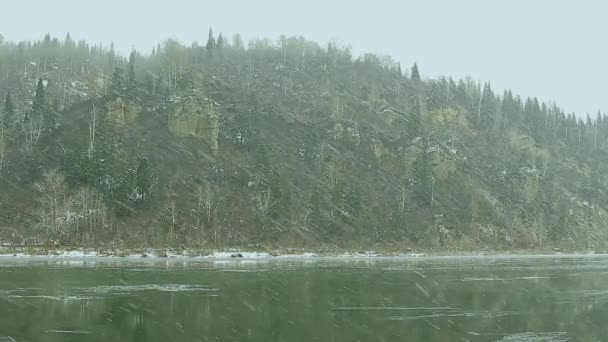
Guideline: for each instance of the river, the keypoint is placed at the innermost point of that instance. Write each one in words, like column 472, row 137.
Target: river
column 555, row 298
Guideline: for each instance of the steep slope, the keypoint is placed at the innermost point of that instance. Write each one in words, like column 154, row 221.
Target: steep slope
column 286, row 144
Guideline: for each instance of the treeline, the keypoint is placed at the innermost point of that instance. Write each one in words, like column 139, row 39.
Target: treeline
column 315, row 147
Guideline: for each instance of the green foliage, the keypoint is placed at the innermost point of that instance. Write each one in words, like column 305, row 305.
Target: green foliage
column 306, row 144
column 144, row 178
column 8, row 112
column 220, row 42
column 39, row 104
column 116, row 87
column 210, row 41
column 131, row 82
column 415, row 118
column 415, row 76
column 422, row 179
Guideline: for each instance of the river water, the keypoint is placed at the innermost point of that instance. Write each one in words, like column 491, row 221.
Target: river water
column 415, row 299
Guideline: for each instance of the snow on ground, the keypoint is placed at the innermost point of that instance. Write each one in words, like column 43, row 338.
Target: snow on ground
column 151, row 253
column 235, row 255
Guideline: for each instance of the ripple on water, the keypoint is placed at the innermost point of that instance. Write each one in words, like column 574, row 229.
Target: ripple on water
column 123, row 289
column 537, row 337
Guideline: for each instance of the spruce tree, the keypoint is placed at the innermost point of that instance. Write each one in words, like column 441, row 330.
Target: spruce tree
column 435, row 96
column 116, row 86
column 487, row 107
column 41, row 111
column 461, row 95
column 39, row 103
column 143, row 178
column 415, row 73
column 220, row 42
column 415, row 118
column 211, row 41
column 508, row 109
column 422, row 180
column 8, row 111
column 69, row 43
column 131, row 84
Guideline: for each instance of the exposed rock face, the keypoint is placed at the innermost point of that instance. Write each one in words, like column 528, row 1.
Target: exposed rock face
column 121, row 113
column 196, row 116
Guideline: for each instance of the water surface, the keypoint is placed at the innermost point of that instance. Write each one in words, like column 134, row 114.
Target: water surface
column 416, row 299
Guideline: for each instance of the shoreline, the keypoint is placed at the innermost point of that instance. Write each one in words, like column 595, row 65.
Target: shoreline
column 21, row 252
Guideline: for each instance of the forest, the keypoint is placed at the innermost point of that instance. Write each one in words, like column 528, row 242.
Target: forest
column 281, row 144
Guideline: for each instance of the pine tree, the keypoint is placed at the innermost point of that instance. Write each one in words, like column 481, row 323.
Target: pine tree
column 220, row 42
column 8, row 111
column 211, row 41
column 131, row 84
column 415, row 73
column 116, row 86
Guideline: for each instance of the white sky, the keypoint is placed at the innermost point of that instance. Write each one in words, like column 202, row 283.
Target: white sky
column 553, row 49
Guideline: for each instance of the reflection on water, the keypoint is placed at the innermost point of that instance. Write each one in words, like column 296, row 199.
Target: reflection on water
column 440, row 299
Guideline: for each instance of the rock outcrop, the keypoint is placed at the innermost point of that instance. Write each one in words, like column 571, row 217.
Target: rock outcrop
column 122, row 113
column 195, row 115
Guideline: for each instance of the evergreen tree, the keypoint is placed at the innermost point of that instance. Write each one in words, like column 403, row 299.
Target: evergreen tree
column 237, row 42
column 68, row 41
column 47, row 40
column 39, row 103
column 143, row 178
column 435, row 96
column 41, row 111
column 460, row 94
column 220, row 42
column 422, row 180
column 415, row 118
column 508, row 110
column 116, row 86
column 131, row 83
column 8, row 111
column 211, row 41
column 487, row 109
column 415, row 73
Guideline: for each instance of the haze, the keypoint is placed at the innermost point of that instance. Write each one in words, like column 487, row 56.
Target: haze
column 545, row 48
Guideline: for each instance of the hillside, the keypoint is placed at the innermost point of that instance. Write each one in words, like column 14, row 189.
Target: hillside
column 285, row 143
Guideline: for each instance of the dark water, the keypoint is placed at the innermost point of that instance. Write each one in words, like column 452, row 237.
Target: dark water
column 443, row 299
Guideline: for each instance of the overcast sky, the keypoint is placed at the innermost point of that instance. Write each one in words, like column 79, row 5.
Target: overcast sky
column 553, row 49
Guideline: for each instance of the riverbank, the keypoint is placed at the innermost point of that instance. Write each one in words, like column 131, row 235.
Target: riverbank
column 238, row 254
